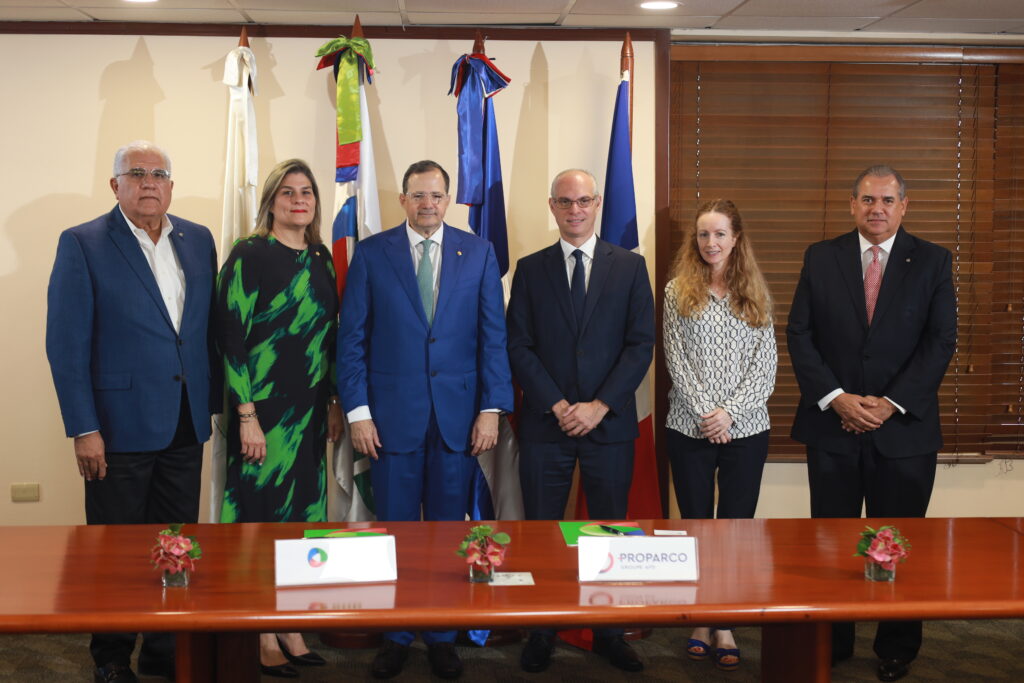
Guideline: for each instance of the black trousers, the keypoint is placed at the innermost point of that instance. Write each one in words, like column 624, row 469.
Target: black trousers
column 154, row 487
column 887, row 487
column 606, row 473
column 739, row 465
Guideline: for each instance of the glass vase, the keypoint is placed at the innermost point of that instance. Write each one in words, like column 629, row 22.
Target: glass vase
column 478, row 574
column 874, row 572
column 177, row 580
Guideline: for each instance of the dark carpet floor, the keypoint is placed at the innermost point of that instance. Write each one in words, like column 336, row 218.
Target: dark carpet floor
column 953, row 651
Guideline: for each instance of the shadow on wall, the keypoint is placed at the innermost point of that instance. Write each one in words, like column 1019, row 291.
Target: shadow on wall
column 528, row 182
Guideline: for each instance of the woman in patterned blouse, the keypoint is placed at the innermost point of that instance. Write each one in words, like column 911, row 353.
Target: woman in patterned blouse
column 277, row 310
column 720, row 351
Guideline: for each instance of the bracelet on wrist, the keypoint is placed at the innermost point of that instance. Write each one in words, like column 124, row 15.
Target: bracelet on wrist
column 249, row 414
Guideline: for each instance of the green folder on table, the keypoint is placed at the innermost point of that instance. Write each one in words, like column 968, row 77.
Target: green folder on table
column 343, row 533
column 571, row 531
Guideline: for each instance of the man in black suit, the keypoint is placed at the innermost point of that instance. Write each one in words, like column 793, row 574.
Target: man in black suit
column 581, row 337
column 871, row 332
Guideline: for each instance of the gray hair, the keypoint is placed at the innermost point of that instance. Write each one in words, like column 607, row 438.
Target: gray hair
column 121, row 155
column 568, row 171
column 880, row 171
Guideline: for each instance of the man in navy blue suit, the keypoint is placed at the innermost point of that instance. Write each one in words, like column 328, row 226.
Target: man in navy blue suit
column 423, row 372
column 129, row 342
column 581, row 337
column 871, row 331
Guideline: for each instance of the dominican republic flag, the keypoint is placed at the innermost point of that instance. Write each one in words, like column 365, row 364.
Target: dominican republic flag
column 356, row 216
column 496, row 492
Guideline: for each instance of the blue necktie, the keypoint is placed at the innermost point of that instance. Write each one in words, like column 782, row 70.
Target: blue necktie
column 578, row 289
column 425, row 280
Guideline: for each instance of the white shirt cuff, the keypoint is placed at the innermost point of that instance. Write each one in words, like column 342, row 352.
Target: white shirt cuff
column 829, row 397
column 897, row 405
column 96, row 430
column 359, row 413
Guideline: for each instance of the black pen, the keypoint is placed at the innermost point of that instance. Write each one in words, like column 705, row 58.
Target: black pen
column 611, row 530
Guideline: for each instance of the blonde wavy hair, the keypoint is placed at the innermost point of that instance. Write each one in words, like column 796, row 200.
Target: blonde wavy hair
column 264, row 216
column 749, row 297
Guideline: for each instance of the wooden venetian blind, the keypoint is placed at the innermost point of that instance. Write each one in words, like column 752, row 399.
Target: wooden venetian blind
column 1006, row 437
column 785, row 140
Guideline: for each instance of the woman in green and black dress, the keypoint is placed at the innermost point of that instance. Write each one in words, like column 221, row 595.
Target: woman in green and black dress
column 277, row 319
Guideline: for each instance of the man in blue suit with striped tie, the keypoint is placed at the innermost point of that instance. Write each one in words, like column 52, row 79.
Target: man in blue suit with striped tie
column 423, row 372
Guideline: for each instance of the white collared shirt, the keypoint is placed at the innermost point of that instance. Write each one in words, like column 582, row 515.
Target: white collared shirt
column 588, row 258
column 166, row 267
column 866, row 256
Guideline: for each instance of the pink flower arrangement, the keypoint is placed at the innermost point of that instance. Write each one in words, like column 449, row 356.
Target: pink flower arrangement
column 173, row 552
column 483, row 548
column 885, row 546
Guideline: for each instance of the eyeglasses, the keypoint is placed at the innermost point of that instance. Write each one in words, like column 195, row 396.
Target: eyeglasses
column 565, row 203
column 432, row 197
column 159, row 175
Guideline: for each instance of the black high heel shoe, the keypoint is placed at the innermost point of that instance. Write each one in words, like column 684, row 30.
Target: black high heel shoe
column 309, row 659
column 279, row 671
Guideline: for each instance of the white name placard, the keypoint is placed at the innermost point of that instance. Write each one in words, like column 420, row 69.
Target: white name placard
column 638, row 558
column 311, row 561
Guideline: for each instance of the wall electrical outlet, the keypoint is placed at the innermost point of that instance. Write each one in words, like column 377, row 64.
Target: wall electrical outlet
column 25, row 493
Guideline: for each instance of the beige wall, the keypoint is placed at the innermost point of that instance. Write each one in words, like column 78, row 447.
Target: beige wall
column 72, row 100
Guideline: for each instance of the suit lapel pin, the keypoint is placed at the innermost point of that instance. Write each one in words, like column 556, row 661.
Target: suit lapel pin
column 458, row 253
column 181, row 234
column 908, row 260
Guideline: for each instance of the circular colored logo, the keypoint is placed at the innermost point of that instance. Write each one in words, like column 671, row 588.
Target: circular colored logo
column 608, row 567
column 317, row 557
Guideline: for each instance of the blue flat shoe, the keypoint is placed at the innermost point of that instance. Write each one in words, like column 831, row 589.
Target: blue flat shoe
column 726, row 659
column 697, row 650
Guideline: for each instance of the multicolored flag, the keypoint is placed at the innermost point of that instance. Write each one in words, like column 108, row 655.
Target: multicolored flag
column 356, row 216
column 619, row 226
column 241, row 180
column 496, row 491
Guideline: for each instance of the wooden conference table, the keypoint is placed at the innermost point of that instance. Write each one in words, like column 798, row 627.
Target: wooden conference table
column 790, row 576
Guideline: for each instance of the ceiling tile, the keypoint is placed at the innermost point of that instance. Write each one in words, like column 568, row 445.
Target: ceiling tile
column 495, row 18
column 187, row 16
column 481, row 8
column 324, row 18
column 706, row 8
column 817, row 8
column 620, row 20
column 966, row 9
column 41, row 14
column 361, row 6
column 922, row 25
column 89, row 5
column 793, row 23
column 29, row 4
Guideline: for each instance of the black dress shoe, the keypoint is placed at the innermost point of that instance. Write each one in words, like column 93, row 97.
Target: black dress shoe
column 156, row 667
column 536, row 656
column 309, row 659
column 279, row 671
column 620, row 653
column 444, row 660
column 892, row 669
column 114, row 673
column 389, row 660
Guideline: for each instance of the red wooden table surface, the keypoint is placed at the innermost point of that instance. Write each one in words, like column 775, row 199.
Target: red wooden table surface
column 792, row 576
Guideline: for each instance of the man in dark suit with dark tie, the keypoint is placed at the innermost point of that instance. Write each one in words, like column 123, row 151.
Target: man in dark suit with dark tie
column 580, row 337
column 129, row 342
column 871, row 332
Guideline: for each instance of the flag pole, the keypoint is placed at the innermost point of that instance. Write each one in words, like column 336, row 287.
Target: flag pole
column 626, row 66
column 478, row 44
column 357, row 29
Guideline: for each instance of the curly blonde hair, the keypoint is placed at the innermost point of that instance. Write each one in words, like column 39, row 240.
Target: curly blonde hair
column 749, row 297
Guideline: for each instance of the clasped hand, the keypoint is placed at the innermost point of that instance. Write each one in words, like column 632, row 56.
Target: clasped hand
column 714, row 426
column 579, row 419
column 859, row 414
